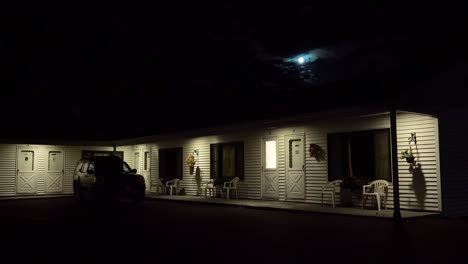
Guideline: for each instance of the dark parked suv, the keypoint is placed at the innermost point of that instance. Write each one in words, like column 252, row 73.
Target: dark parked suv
column 107, row 177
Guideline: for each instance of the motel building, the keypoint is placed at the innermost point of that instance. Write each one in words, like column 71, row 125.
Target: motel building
column 287, row 160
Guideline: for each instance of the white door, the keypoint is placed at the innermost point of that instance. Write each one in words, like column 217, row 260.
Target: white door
column 26, row 171
column 270, row 173
column 54, row 175
column 146, row 172
column 136, row 162
column 295, row 166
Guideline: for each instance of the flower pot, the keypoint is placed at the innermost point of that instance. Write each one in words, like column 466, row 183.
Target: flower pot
column 191, row 169
column 410, row 160
column 346, row 197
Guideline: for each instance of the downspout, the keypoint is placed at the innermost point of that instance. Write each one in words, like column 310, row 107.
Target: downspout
column 395, row 180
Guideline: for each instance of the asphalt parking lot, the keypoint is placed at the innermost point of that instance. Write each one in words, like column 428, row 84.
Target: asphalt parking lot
column 61, row 230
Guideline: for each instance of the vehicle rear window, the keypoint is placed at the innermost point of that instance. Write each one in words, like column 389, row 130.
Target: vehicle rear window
column 78, row 167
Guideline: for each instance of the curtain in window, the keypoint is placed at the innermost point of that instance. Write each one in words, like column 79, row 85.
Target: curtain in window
column 362, row 155
column 382, row 155
column 229, row 157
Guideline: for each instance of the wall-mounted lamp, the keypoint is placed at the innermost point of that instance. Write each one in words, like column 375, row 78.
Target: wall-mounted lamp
column 412, row 138
column 196, row 152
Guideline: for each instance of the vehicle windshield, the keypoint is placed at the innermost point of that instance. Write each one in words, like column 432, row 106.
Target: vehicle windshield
column 126, row 168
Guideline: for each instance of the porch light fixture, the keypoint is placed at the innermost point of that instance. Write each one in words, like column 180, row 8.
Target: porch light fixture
column 300, row 60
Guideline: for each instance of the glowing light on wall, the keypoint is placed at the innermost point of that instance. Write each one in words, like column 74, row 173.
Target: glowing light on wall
column 270, row 154
column 300, row 60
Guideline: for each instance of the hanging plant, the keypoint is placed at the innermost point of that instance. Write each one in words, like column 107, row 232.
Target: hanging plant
column 408, row 155
column 317, row 152
column 190, row 160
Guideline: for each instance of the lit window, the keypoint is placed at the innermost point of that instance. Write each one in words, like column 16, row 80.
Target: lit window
column 270, row 154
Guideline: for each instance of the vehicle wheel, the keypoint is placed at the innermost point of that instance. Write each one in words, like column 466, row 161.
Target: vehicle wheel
column 77, row 192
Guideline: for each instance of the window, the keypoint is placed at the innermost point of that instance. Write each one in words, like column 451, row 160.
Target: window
column 170, row 163
column 270, row 154
column 361, row 155
column 126, row 168
column 26, row 161
column 78, row 166
column 55, row 161
column 227, row 160
column 296, row 154
column 146, row 163
column 84, row 169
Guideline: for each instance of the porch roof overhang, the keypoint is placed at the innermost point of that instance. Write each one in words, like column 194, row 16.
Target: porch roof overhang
column 326, row 114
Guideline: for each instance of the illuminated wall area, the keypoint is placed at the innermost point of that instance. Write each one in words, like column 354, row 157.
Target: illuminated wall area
column 277, row 163
column 36, row 170
column 282, row 160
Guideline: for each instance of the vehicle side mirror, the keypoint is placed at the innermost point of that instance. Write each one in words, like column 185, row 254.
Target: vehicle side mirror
column 133, row 171
column 90, row 171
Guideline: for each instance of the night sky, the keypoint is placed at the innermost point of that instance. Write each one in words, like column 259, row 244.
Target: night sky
column 108, row 70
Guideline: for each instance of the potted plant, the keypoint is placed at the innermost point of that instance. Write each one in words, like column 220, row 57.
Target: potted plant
column 346, row 191
column 317, row 152
column 190, row 160
column 408, row 155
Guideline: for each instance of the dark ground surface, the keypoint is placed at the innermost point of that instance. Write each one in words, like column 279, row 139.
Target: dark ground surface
column 61, row 230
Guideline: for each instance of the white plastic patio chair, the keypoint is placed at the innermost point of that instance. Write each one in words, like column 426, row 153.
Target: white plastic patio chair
column 208, row 187
column 159, row 186
column 172, row 185
column 375, row 189
column 230, row 185
column 331, row 188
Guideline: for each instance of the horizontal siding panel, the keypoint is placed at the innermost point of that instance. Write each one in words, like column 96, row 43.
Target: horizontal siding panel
column 40, row 170
column 8, row 166
column 316, row 173
column 426, row 155
column 72, row 156
column 7, row 170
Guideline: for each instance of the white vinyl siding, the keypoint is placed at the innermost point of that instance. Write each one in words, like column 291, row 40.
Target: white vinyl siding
column 316, row 132
column 316, row 173
column 425, row 128
column 128, row 153
column 8, row 170
column 248, row 188
column 154, row 167
column 129, row 157
column 414, row 185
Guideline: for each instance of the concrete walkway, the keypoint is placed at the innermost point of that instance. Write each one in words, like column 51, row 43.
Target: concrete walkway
column 263, row 204
column 35, row 196
column 292, row 206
